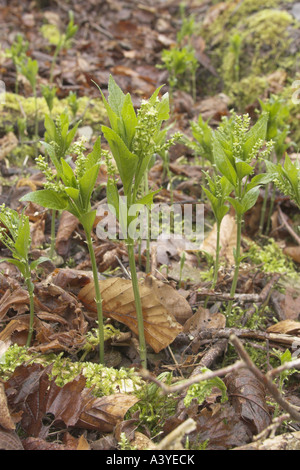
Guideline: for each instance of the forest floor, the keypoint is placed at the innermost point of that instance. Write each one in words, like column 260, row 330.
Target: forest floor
column 54, row 394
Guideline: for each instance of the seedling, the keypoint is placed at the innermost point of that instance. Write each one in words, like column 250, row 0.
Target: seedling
column 60, row 40
column 202, row 144
column 277, row 130
column 17, row 52
column 233, row 154
column 286, row 178
column 181, row 64
column 49, row 94
column 71, row 190
column 59, row 138
column 30, row 71
column 217, row 192
column 15, row 235
column 133, row 140
column 73, row 103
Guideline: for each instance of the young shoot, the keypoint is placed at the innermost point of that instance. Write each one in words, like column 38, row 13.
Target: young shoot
column 133, row 139
column 235, row 155
column 15, row 236
column 71, row 190
column 30, row 70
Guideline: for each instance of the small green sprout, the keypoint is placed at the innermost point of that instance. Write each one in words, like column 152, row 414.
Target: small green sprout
column 17, row 52
column 30, row 70
column 201, row 390
column 59, row 39
column 15, row 236
column 49, row 93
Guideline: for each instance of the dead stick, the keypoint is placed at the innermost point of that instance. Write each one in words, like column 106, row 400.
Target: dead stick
column 269, row 385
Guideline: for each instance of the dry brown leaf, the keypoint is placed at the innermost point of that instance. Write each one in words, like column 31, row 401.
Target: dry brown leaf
column 228, row 235
column 142, row 442
column 293, row 252
column 118, row 303
column 5, row 419
column 67, row 224
column 287, row 327
column 203, row 319
column 170, row 298
column 8, row 143
column 30, row 390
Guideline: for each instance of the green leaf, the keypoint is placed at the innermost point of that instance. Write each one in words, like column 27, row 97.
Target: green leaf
column 148, row 199
column 238, row 207
column 19, row 264
column 87, row 220
column 67, row 174
column 22, row 242
column 87, row 183
column 128, row 122
column 116, row 96
column 243, row 169
column 259, row 180
column 126, row 161
column 112, row 195
column 35, row 263
column 73, row 193
column 222, row 161
column 47, row 198
column 250, row 198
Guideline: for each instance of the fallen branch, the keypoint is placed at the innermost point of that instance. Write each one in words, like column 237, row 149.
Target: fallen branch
column 292, row 410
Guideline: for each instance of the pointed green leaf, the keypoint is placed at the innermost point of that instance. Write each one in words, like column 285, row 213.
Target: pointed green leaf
column 47, row 198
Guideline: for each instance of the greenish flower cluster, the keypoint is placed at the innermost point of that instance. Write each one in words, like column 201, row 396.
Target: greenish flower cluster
column 52, row 182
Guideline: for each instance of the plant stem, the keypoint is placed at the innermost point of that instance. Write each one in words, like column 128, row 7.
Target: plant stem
column 217, row 256
column 271, row 209
column 98, row 298
column 56, row 52
column 35, row 122
column 237, row 262
column 138, row 303
column 263, row 210
column 52, row 245
column 31, row 305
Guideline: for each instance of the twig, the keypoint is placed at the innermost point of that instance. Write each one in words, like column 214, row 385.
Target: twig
column 166, row 389
column 293, row 411
column 287, row 225
column 173, row 440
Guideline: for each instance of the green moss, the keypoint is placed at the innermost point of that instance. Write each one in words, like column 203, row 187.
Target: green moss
column 266, row 32
column 103, row 380
column 271, row 259
column 93, row 110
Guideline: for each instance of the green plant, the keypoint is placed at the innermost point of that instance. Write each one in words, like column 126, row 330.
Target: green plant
column 49, row 93
column 217, row 192
column 17, row 52
column 200, row 391
column 286, row 177
column 15, row 235
column 58, row 140
column 59, row 39
column 30, row 70
column 181, row 64
column 235, row 152
column 71, row 189
column 73, row 103
column 133, row 140
column 277, row 131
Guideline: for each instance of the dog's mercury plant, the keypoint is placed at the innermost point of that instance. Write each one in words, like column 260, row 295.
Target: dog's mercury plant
column 286, row 177
column 15, row 236
column 133, row 139
column 71, row 189
column 235, row 155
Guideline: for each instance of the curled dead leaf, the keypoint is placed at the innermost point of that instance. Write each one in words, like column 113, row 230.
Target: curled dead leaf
column 118, row 303
column 287, row 327
column 228, row 234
